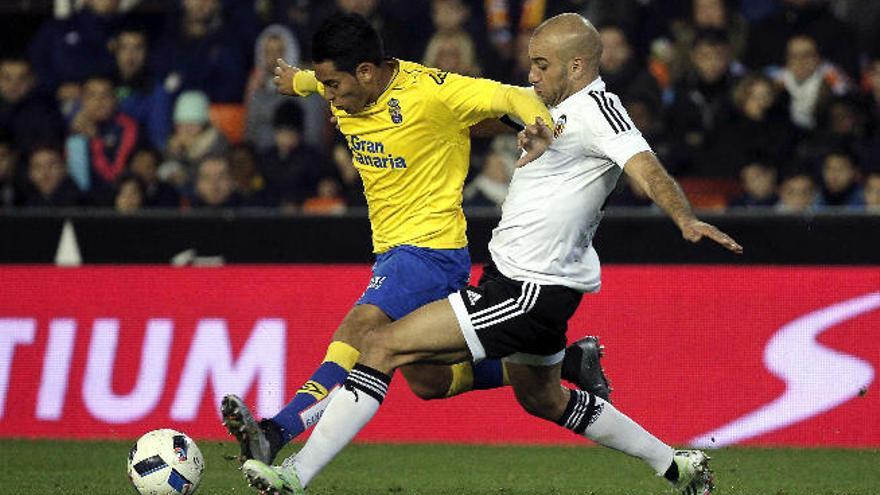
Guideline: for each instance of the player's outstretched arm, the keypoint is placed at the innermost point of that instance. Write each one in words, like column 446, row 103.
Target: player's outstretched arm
column 293, row 81
column 664, row 191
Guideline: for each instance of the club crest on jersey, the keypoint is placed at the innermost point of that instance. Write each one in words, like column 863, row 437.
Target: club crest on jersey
column 560, row 126
column 394, row 110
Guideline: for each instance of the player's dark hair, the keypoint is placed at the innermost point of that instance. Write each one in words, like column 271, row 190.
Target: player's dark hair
column 347, row 40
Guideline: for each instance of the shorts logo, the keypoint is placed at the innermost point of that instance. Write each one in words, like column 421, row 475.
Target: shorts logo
column 560, row 126
column 376, row 282
column 314, row 389
column 473, row 297
column 394, row 110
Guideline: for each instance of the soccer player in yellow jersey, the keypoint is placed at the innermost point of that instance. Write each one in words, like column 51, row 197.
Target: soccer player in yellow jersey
column 407, row 127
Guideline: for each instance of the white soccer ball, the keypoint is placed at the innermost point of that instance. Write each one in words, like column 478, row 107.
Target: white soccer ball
column 165, row 462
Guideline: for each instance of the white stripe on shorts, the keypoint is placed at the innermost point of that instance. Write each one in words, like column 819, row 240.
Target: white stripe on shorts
column 478, row 352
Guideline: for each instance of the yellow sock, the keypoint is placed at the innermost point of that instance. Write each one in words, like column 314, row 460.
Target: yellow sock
column 462, row 379
column 342, row 354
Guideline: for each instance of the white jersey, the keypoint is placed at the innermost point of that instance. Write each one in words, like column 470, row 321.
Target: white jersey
column 555, row 203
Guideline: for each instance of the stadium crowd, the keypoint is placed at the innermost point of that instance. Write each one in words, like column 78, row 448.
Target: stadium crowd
column 770, row 104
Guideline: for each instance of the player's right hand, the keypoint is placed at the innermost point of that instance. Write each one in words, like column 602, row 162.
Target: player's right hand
column 534, row 140
column 283, row 79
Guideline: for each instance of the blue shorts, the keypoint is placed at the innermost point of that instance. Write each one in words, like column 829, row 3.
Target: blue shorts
column 407, row 277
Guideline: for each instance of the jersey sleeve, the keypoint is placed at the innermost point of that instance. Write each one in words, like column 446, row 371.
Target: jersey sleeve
column 610, row 131
column 305, row 83
column 468, row 99
column 471, row 100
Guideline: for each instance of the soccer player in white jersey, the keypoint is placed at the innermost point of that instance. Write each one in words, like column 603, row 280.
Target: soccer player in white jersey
column 543, row 263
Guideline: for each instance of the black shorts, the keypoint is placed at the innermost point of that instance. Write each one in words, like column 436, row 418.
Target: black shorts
column 521, row 321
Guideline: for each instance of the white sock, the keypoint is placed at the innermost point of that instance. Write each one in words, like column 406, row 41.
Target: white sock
column 351, row 409
column 602, row 423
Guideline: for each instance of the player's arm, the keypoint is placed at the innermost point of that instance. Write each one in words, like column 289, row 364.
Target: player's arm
column 612, row 133
column 471, row 100
column 293, row 81
column 647, row 171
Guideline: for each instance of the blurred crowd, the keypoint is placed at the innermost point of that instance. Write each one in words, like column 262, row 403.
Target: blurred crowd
column 770, row 104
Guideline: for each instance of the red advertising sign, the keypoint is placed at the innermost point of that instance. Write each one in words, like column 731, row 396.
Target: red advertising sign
column 701, row 355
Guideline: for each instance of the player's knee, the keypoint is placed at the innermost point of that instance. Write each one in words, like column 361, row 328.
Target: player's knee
column 375, row 350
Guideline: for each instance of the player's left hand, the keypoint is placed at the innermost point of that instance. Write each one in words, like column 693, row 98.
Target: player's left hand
column 696, row 230
column 534, row 139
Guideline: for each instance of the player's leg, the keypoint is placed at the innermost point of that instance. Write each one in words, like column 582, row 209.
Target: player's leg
column 429, row 334
column 262, row 440
column 432, row 274
column 537, row 389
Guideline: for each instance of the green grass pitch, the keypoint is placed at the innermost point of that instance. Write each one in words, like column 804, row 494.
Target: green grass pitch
column 40, row 467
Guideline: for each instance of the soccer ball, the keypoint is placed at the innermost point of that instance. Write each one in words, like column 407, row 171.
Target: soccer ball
column 165, row 462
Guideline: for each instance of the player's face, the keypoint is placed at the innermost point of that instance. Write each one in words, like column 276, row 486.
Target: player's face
column 341, row 89
column 547, row 72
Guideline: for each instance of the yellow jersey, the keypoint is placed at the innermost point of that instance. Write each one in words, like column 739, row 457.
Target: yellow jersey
column 412, row 149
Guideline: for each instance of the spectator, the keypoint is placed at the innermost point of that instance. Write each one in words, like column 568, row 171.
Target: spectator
column 11, row 194
column 873, row 83
column 808, row 80
column 302, row 17
column 758, row 126
column 102, row 141
column 327, row 201
column 452, row 18
column 489, row 188
column 261, row 96
column 702, row 99
column 797, row 193
column 129, row 194
column 842, row 124
column 193, row 139
column 204, row 52
column 65, row 52
column 809, row 18
column 29, row 117
column 157, row 194
column 140, row 93
column 872, row 192
column 706, row 14
column 214, row 185
column 621, row 70
column 348, row 176
column 840, row 181
column 454, row 52
column 248, row 181
column 509, row 39
column 647, row 118
column 404, row 28
column 49, row 184
column 758, row 181
column 292, row 169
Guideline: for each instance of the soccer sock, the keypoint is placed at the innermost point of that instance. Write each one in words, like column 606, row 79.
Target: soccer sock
column 489, row 373
column 306, row 407
column 602, row 423
column 350, row 410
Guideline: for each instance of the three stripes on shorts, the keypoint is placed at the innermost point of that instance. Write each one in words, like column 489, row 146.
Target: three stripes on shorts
column 507, row 309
